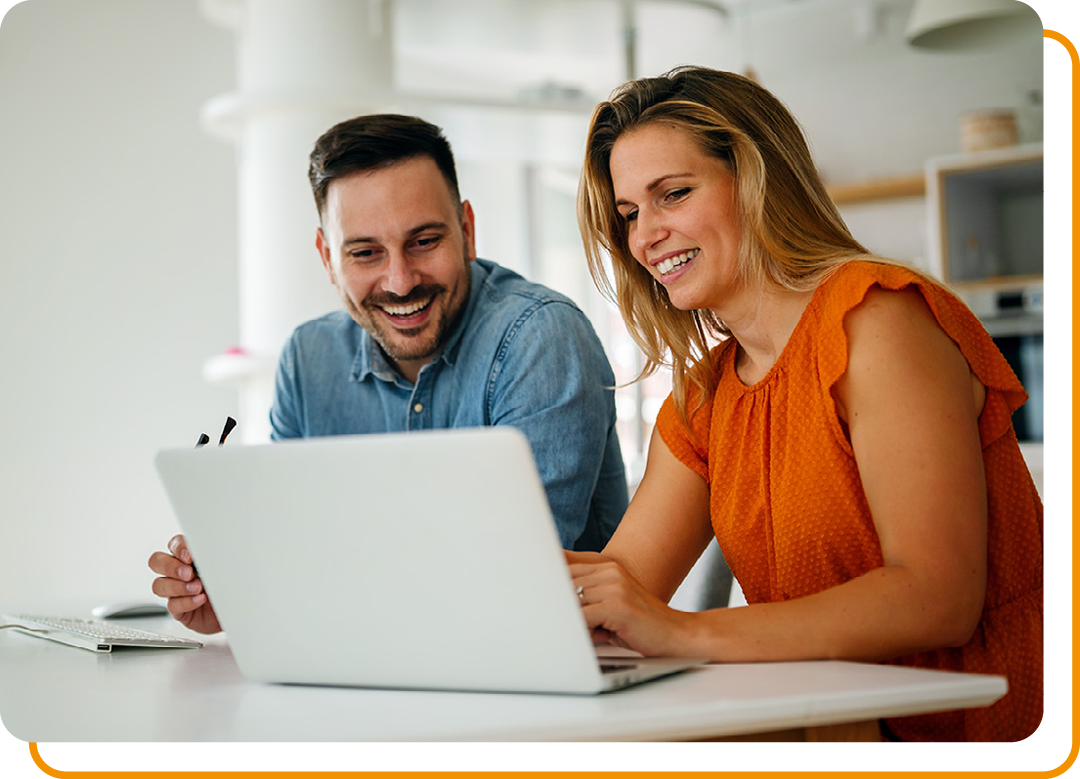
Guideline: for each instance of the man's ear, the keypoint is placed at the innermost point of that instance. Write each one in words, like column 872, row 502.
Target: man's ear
column 468, row 228
column 324, row 254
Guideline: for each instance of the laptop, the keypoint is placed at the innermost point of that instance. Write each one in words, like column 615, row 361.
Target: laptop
column 424, row 560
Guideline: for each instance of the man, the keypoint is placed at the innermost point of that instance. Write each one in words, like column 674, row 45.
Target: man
column 432, row 337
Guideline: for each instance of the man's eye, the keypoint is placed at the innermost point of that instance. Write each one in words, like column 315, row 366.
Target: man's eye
column 427, row 242
column 364, row 255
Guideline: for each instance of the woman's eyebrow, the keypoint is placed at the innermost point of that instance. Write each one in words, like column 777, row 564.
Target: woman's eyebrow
column 652, row 185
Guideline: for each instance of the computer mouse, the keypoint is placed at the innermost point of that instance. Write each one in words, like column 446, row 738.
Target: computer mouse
column 129, row 608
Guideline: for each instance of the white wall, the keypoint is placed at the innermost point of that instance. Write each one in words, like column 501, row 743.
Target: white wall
column 117, row 231
column 117, row 245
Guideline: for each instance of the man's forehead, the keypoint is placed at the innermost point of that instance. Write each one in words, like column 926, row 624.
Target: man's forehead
column 401, row 197
column 418, row 172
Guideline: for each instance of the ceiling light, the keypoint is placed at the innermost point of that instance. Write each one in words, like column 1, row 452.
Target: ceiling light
column 968, row 24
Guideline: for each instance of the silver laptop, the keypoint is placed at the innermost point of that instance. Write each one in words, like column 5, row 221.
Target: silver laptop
column 419, row 561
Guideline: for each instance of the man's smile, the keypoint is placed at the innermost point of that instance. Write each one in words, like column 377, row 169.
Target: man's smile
column 408, row 311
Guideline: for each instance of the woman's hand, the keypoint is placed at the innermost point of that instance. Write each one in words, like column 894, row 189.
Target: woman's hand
column 619, row 610
column 625, row 588
column 179, row 582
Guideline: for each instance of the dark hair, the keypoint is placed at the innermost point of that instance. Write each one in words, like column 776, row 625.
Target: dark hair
column 376, row 141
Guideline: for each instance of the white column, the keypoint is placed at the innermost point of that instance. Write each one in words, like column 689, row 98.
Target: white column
column 303, row 65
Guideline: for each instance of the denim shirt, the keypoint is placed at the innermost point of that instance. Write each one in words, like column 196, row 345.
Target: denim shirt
column 521, row 355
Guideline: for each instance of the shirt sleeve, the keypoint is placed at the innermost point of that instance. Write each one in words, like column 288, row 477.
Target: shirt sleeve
column 689, row 446
column 284, row 416
column 552, row 381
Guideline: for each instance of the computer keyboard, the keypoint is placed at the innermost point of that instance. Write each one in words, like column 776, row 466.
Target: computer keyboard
column 95, row 635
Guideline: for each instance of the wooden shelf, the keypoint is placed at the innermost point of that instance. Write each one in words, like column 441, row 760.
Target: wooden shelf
column 879, row 189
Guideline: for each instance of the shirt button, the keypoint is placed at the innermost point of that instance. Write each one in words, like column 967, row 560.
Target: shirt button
column 418, row 407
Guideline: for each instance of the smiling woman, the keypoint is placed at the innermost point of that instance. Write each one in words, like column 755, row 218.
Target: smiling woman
column 849, row 441
column 666, row 186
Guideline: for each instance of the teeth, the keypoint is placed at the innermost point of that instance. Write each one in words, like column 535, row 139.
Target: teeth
column 670, row 264
column 411, row 308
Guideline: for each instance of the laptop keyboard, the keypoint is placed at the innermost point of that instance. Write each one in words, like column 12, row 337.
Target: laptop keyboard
column 95, row 635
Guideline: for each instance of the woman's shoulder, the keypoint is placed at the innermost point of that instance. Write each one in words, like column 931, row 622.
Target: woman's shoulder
column 850, row 282
column 879, row 289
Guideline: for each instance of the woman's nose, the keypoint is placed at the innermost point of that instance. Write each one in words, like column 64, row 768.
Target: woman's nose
column 648, row 230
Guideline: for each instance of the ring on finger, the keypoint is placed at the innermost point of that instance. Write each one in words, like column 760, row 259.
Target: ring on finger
column 581, row 593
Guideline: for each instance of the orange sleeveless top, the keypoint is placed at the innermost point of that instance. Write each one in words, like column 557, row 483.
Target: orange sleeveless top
column 790, row 515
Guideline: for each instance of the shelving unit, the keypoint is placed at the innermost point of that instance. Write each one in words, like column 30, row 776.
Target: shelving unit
column 873, row 190
column 985, row 214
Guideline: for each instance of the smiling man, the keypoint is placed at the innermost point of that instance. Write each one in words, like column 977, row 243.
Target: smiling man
column 396, row 246
column 432, row 338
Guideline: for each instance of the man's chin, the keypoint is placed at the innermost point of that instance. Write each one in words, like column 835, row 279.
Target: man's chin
column 403, row 349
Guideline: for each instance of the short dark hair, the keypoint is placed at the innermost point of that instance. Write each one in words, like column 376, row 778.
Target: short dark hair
column 375, row 141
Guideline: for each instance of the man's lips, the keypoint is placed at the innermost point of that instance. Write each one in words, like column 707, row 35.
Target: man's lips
column 409, row 310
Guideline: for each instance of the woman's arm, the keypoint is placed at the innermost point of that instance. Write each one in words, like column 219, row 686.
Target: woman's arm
column 664, row 532
column 911, row 407
column 667, row 526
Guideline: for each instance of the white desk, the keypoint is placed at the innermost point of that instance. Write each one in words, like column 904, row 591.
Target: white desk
column 50, row 692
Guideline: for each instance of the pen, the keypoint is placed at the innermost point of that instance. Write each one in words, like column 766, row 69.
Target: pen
column 230, row 423
column 204, row 439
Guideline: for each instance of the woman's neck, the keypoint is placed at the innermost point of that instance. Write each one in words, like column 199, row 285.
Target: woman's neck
column 762, row 329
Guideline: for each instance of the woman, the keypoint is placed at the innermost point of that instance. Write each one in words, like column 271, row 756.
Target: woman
column 848, row 440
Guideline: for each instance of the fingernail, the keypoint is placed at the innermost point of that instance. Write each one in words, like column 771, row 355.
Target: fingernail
column 194, row 587
column 199, row 599
column 184, row 573
column 185, row 556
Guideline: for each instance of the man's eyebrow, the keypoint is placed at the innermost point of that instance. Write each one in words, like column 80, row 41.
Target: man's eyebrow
column 441, row 226
column 652, row 185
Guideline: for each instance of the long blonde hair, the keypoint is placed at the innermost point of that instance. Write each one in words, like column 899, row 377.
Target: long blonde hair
column 792, row 236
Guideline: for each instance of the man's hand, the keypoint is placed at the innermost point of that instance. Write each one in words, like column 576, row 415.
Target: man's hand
column 187, row 601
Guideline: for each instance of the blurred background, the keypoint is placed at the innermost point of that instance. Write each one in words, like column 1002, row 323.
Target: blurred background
column 157, row 230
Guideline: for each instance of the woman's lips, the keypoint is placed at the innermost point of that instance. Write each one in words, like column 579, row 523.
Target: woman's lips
column 670, row 268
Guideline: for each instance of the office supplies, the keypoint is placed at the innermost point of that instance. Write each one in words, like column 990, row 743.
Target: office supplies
column 204, row 439
column 422, row 560
column 91, row 634
column 230, row 423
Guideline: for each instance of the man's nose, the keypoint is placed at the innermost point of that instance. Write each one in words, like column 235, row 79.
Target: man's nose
column 401, row 277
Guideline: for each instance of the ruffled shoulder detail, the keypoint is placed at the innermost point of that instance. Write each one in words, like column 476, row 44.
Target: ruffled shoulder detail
column 847, row 288
column 690, row 447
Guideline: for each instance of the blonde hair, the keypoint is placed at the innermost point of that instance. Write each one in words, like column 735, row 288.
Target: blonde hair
column 792, row 236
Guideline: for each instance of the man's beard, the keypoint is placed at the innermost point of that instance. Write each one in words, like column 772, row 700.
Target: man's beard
column 408, row 345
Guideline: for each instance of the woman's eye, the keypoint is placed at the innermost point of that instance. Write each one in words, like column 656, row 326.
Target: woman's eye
column 630, row 216
column 676, row 194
